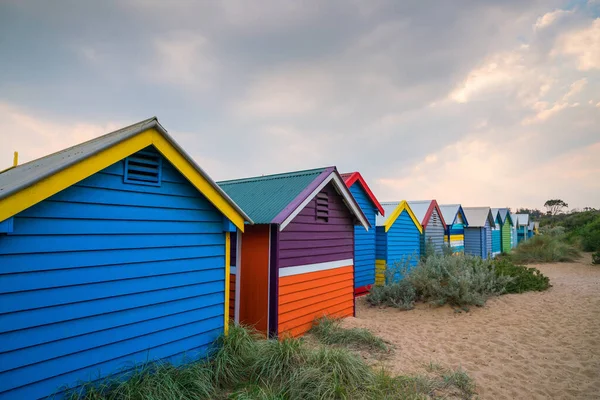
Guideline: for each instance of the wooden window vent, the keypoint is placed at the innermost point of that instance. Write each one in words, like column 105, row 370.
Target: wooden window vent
column 322, row 209
column 143, row 168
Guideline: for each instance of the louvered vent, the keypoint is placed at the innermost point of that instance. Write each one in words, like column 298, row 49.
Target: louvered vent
column 143, row 168
column 322, row 207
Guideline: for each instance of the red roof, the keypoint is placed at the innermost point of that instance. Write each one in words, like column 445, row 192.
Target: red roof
column 433, row 206
column 351, row 177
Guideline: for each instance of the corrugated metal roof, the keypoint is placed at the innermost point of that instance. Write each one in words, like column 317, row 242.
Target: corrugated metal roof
column 22, row 176
column 523, row 219
column 449, row 212
column 495, row 213
column 388, row 208
column 352, row 177
column 264, row 197
column 419, row 208
column 478, row 215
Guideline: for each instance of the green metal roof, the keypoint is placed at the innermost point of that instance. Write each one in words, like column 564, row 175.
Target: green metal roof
column 264, row 197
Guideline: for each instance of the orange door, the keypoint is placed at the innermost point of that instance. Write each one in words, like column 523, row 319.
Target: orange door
column 254, row 284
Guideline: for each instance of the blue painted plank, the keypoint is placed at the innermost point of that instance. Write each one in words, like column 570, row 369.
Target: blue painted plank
column 51, row 297
column 75, row 311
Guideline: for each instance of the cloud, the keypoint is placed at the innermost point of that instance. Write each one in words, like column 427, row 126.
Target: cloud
column 182, row 59
column 583, row 45
column 550, row 18
column 576, row 87
column 35, row 136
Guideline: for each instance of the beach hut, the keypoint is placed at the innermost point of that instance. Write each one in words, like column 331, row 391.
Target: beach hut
column 398, row 238
column 536, row 228
column 430, row 217
column 478, row 235
column 455, row 220
column 112, row 252
column 496, row 233
column 297, row 260
column 506, row 228
column 364, row 240
column 513, row 231
column 522, row 227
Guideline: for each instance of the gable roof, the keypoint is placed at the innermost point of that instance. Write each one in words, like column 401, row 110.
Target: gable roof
column 450, row 211
column 393, row 209
column 27, row 184
column 477, row 216
column 278, row 198
column 522, row 219
column 353, row 177
column 423, row 210
column 503, row 214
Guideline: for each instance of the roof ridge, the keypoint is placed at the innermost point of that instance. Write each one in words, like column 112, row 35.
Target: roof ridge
column 272, row 176
column 97, row 138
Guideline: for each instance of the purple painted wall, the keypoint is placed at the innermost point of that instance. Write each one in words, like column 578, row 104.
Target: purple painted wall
column 306, row 240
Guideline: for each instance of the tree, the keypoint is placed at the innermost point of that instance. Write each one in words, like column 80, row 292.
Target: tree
column 555, row 206
column 534, row 213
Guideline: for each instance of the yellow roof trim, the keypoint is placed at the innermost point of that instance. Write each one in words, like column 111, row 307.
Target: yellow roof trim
column 394, row 215
column 61, row 180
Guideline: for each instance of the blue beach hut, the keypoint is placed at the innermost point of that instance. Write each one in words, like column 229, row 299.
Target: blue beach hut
column 398, row 238
column 364, row 240
column 478, row 235
column 456, row 221
column 496, row 233
column 112, row 252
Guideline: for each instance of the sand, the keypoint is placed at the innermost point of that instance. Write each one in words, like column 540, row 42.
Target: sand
column 519, row 346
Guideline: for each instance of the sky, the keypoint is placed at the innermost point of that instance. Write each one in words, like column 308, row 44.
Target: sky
column 481, row 103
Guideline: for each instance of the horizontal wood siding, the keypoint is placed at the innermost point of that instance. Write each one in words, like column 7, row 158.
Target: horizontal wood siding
column 403, row 243
column 308, row 241
column 105, row 274
column 473, row 245
column 488, row 239
column 364, row 241
column 505, row 239
column 305, row 297
column 434, row 232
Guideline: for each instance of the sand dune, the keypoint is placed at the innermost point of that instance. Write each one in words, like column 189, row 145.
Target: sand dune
column 528, row 346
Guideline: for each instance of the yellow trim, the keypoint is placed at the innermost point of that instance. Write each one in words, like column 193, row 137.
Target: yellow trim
column 380, row 272
column 396, row 213
column 61, row 180
column 16, row 159
column 227, row 276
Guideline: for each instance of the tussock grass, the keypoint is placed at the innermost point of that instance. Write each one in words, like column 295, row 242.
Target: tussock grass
column 330, row 332
column 246, row 366
column 544, row 249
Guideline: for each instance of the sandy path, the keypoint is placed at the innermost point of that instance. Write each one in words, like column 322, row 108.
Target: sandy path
column 532, row 345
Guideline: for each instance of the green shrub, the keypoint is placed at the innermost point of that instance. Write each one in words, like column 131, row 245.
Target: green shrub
column 524, row 279
column 329, row 331
column 400, row 295
column 544, row 248
column 596, row 258
column 590, row 236
column 459, row 280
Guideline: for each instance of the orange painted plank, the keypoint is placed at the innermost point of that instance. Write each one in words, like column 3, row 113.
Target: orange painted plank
column 317, row 309
column 310, row 300
column 254, row 283
column 290, row 280
column 315, row 292
column 302, row 325
column 314, row 283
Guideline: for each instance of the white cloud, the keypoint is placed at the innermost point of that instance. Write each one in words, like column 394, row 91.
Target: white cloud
column 583, row 45
column 182, row 58
column 34, row 137
column 575, row 88
column 284, row 94
column 550, row 18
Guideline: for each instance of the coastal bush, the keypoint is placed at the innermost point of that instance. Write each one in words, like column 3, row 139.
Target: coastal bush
column 399, row 294
column 459, row 280
column 544, row 248
column 590, row 236
column 524, row 279
column 246, row 366
column 596, row 258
